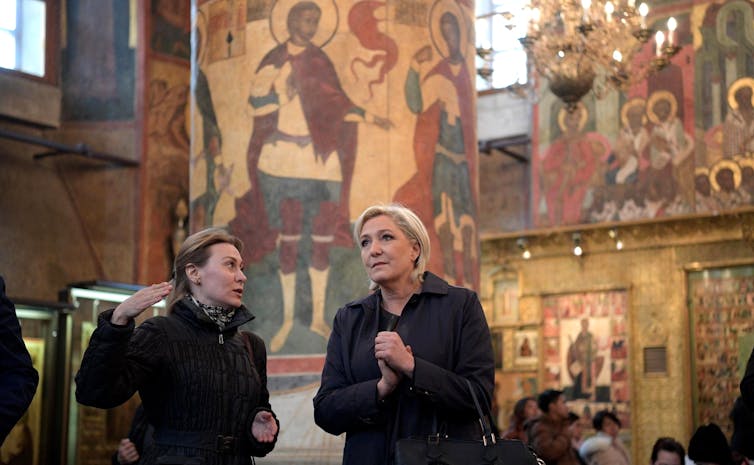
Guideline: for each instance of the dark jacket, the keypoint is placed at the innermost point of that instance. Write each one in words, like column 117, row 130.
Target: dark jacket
column 551, row 440
column 747, row 383
column 18, row 378
column 448, row 334
column 140, row 434
column 195, row 383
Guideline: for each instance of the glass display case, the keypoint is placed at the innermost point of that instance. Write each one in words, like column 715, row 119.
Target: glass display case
column 36, row 438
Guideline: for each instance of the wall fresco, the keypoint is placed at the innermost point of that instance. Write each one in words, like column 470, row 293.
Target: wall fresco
column 682, row 142
column 326, row 108
column 98, row 61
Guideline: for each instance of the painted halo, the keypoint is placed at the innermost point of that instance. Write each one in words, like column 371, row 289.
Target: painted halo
column 721, row 165
column 737, row 84
column 745, row 161
column 328, row 21
column 582, row 119
column 634, row 102
column 656, row 97
column 439, row 8
column 701, row 171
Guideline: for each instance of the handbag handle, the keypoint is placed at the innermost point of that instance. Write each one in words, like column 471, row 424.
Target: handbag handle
column 486, row 429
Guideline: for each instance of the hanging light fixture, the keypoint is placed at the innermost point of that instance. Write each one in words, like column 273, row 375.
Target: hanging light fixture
column 523, row 245
column 591, row 45
column 613, row 234
column 577, row 250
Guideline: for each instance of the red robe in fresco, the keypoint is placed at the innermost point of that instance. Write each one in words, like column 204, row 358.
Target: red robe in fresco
column 325, row 106
column 416, row 194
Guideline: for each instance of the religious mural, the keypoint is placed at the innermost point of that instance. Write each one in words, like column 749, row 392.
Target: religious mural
column 443, row 190
column 170, row 28
column 312, row 135
column 166, row 129
column 98, row 60
column 585, row 336
column 680, row 143
column 720, row 317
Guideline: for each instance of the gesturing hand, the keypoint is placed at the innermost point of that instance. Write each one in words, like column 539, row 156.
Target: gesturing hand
column 264, row 427
column 140, row 301
column 127, row 452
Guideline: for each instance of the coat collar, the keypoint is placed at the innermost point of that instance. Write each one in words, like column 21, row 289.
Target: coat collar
column 186, row 309
column 432, row 284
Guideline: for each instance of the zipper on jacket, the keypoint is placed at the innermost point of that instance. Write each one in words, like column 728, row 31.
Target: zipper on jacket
column 220, row 339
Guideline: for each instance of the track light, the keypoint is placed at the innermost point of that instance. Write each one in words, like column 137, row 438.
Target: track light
column 523, row 245
column 613, row 233
column 577, row 250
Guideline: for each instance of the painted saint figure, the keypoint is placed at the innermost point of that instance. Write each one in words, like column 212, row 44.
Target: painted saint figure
column 217, row 174
column 441, row 191
column 568, row 167
column 584, row 365
column 738, row 133
column 628, row 157
column 669, row 146
column 300, row 160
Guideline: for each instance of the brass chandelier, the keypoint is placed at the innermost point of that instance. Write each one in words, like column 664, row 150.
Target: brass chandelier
column 578, row 46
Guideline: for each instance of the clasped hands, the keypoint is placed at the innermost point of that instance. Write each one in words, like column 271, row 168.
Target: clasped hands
column 394, row 359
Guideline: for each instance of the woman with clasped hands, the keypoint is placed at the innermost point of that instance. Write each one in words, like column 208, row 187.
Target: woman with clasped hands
column 400, row 357
column 205, row 396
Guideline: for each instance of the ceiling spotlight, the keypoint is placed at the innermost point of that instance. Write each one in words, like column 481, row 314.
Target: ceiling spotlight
column 523, row 245
column 613, row 233
column 577, row 250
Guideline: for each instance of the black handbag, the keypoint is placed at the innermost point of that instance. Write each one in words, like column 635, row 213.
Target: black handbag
column 436, row 449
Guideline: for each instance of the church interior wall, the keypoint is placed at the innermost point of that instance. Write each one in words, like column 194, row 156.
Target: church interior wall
column 653, row 270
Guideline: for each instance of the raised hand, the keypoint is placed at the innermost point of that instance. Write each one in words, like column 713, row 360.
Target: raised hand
column 140, row 301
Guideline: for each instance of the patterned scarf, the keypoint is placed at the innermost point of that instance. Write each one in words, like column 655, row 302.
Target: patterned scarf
column 220, row 315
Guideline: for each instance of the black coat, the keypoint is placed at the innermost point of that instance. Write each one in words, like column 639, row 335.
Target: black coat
column 448, row 334
column 195, row 383
column 18, row 378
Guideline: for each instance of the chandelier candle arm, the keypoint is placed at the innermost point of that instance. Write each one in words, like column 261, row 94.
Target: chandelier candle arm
column 584, row 45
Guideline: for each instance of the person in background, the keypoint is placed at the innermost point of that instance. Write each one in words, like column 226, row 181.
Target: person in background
column 548, row 434
column 139, row 438
column 709, row 445
column 667, row 451
column 524, row 410
column 747, row 383
column 401, row 360
column 742, row 441
column 605, row 447
column 202, row 382
column 576, row 428
column 18, row 378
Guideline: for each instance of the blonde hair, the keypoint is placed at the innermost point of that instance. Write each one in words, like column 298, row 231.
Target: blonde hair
column 195, row 249
column 408, row 222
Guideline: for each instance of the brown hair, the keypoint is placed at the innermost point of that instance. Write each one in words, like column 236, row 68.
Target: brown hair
column 195, row 249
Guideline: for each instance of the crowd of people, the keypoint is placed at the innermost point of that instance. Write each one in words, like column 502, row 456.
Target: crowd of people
column 412, row 356
column 557, row 436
